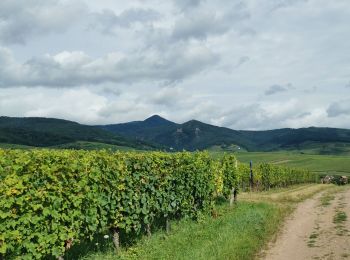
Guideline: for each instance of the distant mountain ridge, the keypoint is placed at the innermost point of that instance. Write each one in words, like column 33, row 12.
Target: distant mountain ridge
column 158, row 133
column 193, row 135
column 45, row 132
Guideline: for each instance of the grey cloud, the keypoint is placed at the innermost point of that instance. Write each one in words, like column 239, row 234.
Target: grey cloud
column 168, row 96
column 347, row 85
column 304, row 115
column 274, row 89
column 339, row 108
column 199, row 27
column 311, row 90
column 24, row 19
column 278, row 4
column 120, row 107
column 111, row 91
column 185, row 102
column 68, row 69
column 246, row 31
column 187, row 4
column 242, row 60
column 107, row 20
column 202, row 24
column 261, row 115
column 249, row 116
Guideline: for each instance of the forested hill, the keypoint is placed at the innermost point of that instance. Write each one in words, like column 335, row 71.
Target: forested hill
column 45, row 132
column 194, row 135
column 159, row 133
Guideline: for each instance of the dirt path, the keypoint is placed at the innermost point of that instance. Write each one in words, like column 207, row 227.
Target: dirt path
column 318, row 229
column 281, row 161
column 293, row 194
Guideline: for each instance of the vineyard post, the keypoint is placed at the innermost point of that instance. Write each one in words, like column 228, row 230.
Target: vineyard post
column 167, row 225
column 251, row 180
column 148, row 230
column 116, row 241
column 233, row 196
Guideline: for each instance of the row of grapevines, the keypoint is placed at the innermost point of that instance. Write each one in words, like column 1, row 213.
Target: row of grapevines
column 266, row 176
column 50, row 197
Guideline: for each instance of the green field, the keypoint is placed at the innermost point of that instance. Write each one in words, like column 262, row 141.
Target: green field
column 325, row 164
column 82, row 145
column 79, row 145
column 14, row 146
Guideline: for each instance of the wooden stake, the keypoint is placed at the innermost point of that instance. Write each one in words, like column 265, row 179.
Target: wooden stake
column 251, row 177
column 232, row 196
column 116, row 241
column 148, row 230
column 167, row 225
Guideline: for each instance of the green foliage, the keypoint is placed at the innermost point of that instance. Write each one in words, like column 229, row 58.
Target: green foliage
column 50, row 197
column 47, row 132
column 266, row 176
column 231, row 178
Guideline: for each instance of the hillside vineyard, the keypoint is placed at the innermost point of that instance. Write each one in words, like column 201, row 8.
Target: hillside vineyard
column 53, row 198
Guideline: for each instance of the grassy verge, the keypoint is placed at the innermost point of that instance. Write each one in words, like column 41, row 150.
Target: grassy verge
column 238, row 232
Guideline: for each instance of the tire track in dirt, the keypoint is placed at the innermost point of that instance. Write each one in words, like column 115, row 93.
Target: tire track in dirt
column 315, row 231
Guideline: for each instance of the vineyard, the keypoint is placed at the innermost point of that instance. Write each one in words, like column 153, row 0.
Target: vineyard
column 52, row 200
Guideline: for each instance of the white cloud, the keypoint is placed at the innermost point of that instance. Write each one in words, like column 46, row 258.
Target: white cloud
column 183, row 59
column 77, row 105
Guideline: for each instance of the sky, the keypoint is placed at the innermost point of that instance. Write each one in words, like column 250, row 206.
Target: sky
column 248, row 64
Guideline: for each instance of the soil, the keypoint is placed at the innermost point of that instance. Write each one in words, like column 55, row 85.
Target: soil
column 315, row 231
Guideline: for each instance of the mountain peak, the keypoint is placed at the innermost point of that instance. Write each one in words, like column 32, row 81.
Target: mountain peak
column 155, row 117
column 157, row 120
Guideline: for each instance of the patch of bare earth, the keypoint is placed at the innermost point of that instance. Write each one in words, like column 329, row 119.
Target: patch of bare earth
column 315, row 230
column 293, row 194
column 281, row 161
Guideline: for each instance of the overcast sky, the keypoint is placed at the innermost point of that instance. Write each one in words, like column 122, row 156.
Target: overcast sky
column 248, row 64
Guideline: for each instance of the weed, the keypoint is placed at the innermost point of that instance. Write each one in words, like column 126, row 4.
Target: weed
column 326, row 199
column 312, row 239
column 339, row 217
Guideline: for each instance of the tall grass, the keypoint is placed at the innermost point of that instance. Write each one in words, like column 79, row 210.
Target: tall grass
column 237, row 232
